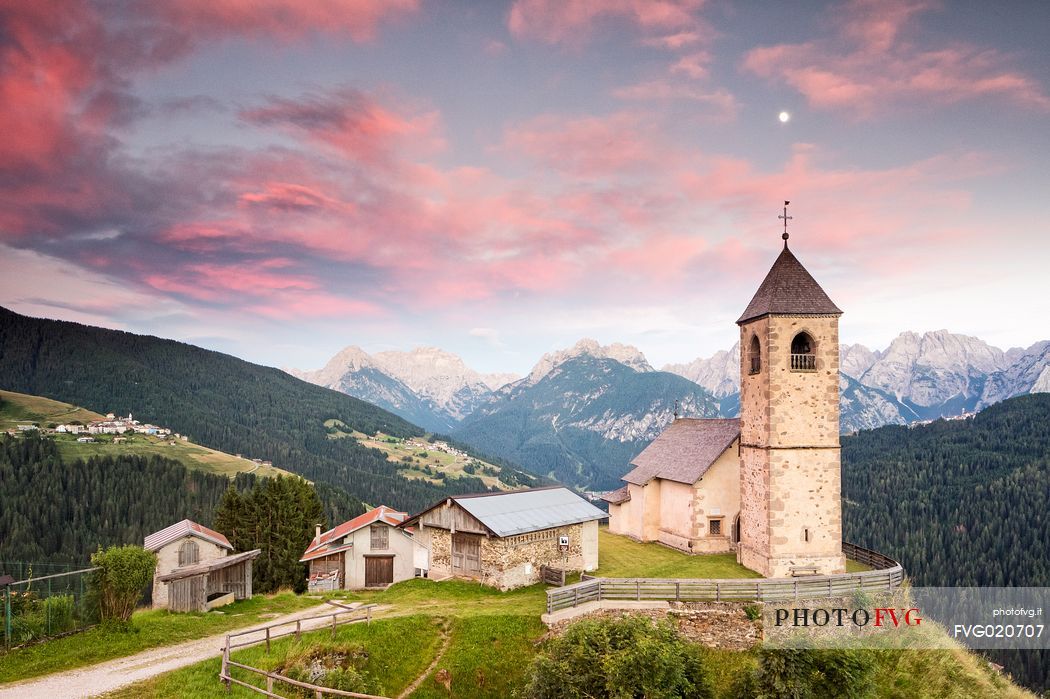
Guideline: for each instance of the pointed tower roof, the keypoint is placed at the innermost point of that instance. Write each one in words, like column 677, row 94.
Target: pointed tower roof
column 788, row 289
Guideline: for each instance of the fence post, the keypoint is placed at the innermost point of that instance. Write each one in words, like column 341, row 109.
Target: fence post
column 267, row 639
column 333, row 626
column 47, row 606
column 298, row 628
column 7, row 616
column 677, row 592
column 368, row 616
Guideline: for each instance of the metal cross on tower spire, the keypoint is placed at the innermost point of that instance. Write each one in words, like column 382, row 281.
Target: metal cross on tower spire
column 786, row 219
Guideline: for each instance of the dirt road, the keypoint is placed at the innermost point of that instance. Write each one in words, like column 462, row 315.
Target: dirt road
column 113, row 674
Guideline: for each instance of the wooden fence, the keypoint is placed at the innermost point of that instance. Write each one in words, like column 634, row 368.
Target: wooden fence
column 887, row 574
column 552, row 576
column 266, row 634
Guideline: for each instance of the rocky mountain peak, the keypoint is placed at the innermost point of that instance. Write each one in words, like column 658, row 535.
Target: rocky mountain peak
column 625, row 354
column 719, row 373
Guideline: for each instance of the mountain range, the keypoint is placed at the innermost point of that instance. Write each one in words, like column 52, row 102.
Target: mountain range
column 582, row 413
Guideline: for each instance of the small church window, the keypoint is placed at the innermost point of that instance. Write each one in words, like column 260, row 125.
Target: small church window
column 714, row 527
column 805, row 534
column 189, row 553
column 803, row 358
column 755, row 355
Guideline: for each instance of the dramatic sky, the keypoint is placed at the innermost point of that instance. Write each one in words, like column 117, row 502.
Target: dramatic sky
column 277, row 179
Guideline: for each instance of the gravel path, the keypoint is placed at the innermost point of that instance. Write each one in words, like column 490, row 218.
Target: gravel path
column 105, row 677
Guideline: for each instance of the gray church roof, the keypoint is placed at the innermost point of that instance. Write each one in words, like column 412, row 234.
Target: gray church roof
column 789, row 289
column 684, row 451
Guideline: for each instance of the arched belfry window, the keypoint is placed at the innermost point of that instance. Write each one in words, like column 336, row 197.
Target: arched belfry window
column 803, row 354
column 189, row 553
column 755, row 355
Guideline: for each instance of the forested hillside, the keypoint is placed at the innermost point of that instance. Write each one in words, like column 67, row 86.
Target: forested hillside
column 220, row 401
column 584, row 420
column 58, row 512
column 959, row 503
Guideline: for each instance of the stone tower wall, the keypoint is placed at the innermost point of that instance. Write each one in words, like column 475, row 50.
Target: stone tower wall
column 790, row 473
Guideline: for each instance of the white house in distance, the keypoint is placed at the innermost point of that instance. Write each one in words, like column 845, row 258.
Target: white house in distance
column 370, row 550
column 502, row 539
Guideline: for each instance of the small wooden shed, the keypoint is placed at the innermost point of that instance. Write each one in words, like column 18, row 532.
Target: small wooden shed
column 200, row 587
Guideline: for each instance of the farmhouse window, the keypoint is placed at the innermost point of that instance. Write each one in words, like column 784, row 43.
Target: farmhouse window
column 714, row 527
column 380, row 537
column 189, row 553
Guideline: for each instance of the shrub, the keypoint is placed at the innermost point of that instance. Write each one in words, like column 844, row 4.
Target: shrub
column 619, row 659
column 753, row 612
column 337, row 666
column 809, row 674
column 123, row 573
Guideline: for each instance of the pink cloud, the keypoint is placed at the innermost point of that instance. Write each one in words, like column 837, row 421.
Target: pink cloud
column 870, row 66
column 569, row 21
column 722, row 103
column 287, row 19
column 352, row 123
column 693, row 65
column 290, row 197
column 588, row 146
column 674, row 41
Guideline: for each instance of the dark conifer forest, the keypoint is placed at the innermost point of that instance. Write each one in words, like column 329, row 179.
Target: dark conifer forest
column 218, row 400
column 959, row 503
column 61, row 512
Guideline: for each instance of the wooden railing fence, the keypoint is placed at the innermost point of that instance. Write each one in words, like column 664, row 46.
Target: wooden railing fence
column 266, row 634
column 887, row 574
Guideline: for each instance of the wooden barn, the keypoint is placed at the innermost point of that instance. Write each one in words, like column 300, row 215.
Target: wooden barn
column 504, row 539
column 197, row 569
column 204, row 586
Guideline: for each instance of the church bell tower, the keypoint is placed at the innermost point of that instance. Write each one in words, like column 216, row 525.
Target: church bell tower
column 790, row 473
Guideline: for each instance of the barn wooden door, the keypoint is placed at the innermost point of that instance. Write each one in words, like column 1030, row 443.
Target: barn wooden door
column 466, row 554
column 379, row 570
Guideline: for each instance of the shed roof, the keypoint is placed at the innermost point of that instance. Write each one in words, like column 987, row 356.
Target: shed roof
column 523, row 511
column 788, row 289
column 684, row 451
column 208, row 566
column 186, row 527
column 618, row 496
column 328, row 542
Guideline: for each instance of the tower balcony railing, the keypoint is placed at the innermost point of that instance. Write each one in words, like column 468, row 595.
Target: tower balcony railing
column 803, row 362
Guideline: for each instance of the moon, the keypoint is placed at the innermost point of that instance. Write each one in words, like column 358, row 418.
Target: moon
column 784, row 117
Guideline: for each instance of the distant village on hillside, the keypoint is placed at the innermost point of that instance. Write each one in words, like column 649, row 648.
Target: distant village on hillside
column 112, row 425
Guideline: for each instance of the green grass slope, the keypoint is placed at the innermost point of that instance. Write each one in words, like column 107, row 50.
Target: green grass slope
column 19, row 409
column 220, row 401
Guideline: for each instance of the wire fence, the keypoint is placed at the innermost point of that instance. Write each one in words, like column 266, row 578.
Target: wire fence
column 44, row 600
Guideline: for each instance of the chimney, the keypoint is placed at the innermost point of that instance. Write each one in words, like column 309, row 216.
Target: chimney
column 317, row 531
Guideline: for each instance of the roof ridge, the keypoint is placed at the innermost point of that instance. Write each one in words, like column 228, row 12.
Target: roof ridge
column 788, row 289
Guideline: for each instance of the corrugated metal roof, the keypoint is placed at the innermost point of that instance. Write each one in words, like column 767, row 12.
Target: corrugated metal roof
column 209, row 566
column 186, row 527
column 509, row 514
